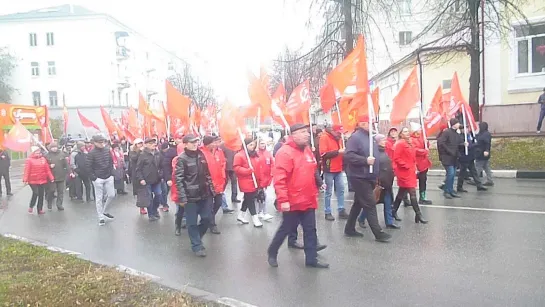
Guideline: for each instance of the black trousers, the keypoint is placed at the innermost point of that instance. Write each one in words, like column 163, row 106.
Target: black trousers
column 465, row 169
column 5, row 175
column 290, row 221
column 216, row 205
column 80, row 182
column 38, row 192
column 234, row 185
column 249, row 202
column 422, row 181
column 364, row 199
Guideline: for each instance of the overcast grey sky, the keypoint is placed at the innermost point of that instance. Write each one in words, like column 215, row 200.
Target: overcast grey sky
column 221, row 38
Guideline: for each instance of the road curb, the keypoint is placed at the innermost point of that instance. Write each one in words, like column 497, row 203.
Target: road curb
column 198, row 294
column 501, row 174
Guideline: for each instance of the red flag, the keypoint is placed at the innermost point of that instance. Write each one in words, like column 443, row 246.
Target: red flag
column 259, row 95
column 327, row 97
column 65, row 117
column 344, row 74
column 230, row 121
column 42, row 115
column 434, row 119
column 109, row 123
column 177, row 104
column 86, row 122
column 457, row 99
column 18, row 138
column 362, row 80
column 375, row 95
column 299, row 101
column 407, row 98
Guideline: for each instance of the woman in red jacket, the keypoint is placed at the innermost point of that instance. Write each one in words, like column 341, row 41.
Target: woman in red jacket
column 266, row 164
column 246, row 171
column 405, row 170
column 423, row 162
column 37, row 174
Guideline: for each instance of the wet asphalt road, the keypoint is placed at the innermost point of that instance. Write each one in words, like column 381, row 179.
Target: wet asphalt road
column 486, row 249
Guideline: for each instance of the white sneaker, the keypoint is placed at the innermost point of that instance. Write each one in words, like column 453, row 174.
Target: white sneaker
column 260, row 215
column 267, row 217
column 241, row 218
column 256, row 221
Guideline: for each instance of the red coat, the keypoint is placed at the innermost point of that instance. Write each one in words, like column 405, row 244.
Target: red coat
column 244, row 173
column 37, row 170
column 423, row 162
column 173, row 188
column 216, row 164
column 329, row 151
column 295, row 177
column 390, row 147
column 405, row 164
column 266, row 165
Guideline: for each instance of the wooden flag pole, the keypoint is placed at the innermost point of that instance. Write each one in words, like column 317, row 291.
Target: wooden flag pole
column 423, row 127
column 370, row 110
column 465, row 129
column 340, row 122
column 247, row 156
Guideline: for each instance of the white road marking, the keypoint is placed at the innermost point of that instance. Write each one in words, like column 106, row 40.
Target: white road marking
column 485, row 209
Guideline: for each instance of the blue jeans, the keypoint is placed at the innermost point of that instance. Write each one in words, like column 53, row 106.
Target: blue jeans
column 449, row 178
column 541, row 117
column 164, row 193
column 224, row 202
column 197, row 231
column 338, row 180
column 388, row 200
column 156, row 196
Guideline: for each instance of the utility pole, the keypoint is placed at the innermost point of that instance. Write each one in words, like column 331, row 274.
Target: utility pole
column 348, row 26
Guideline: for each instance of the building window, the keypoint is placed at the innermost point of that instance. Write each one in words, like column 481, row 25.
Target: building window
column 50, row 39
column 530, row 48
column 53, row 100
column 405, row 37
column 33, row 40
column 404, row 7
column 36, row 99
column 447, row 84
column 35, row 68
column 51, row 69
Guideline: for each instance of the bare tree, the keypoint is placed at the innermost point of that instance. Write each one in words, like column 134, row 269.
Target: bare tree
column 7, row 64
column 201, row 94
column 459, row 25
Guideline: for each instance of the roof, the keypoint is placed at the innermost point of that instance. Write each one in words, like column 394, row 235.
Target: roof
column 62, row 11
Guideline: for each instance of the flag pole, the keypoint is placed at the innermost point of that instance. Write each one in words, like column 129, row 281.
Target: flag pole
column 247, row 156
column 423, row 127
column 465, row 128
column 340, row 122
column 371, row 112
column 311, row 134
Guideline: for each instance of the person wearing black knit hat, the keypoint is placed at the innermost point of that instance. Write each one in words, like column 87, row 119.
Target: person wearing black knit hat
column 248, row 175
column 447, row 146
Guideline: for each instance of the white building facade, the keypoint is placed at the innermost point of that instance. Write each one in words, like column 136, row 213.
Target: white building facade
column 70, row 55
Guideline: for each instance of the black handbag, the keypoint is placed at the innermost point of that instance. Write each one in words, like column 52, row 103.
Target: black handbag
column 143, row 197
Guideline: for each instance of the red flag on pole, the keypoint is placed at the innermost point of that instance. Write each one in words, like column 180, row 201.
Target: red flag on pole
column 65, row 117
column 18, row 138
column 86, row 122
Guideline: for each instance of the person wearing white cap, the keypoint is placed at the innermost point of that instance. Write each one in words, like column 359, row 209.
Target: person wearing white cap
column 423, row 162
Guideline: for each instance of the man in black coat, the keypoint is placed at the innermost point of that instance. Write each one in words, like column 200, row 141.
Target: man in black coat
column 195, row 191
column 59, row 168
column 149, row 174
column 482, row 154
column 467, row 164
column 5, row 165
column 448, row 145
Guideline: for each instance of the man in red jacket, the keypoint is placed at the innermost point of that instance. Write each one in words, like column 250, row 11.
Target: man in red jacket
column 332, row 162
column 296, row 182
column 216, row 164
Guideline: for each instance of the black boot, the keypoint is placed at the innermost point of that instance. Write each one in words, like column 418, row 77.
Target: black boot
column 178, row 223
column 423, row 200
column 394, row 210
column 418, row 218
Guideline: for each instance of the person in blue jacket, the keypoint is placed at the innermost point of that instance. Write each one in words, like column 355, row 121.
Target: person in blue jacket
column 358, row 159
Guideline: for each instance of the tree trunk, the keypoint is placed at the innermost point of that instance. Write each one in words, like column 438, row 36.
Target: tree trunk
column 475, row 59
column 348, row 25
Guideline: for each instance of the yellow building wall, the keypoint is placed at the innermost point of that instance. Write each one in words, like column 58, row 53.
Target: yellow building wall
column 443, row 68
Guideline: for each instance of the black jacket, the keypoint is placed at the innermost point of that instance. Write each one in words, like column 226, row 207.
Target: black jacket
column 61, row 165
column 192, row 177
column 448, row 144
column 229, row 157
column 386, row 172
column 100, row 163
column 5, row 161
column 484, row 142
column 472, row 145
column 149, row 167
column 356, row 153
column 80, row 160
column 168, row 156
